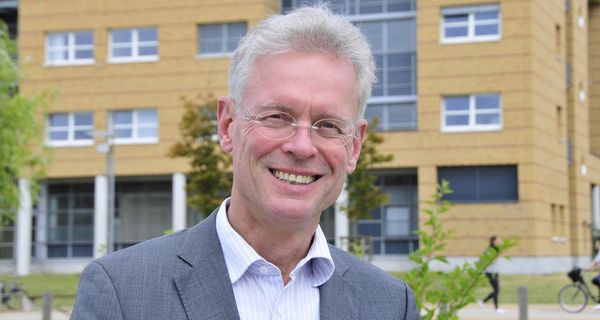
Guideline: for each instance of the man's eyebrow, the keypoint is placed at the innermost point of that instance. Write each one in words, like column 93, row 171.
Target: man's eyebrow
column 276, row 106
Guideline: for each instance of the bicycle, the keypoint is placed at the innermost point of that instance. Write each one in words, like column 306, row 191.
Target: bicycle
column 573, row 298
column 10, row 294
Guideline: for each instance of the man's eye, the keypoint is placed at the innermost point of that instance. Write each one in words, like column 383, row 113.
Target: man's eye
column 276, row 118
column 330, row 127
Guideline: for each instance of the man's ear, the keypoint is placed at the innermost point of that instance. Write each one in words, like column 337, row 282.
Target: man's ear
column 357, row 146
column 225, row 111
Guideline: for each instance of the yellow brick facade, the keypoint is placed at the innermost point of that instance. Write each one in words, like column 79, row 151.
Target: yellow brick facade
column 550, row 130
column 103, row 86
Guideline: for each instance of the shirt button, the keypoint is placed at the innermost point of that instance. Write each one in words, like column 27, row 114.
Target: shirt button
column 263, row 269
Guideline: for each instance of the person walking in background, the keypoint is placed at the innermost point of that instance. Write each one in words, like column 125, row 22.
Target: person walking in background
column 491, row 272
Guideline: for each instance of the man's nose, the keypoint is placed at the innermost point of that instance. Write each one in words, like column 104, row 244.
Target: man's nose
column 301, row 143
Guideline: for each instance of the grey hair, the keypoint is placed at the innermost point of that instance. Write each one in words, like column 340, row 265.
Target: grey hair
column 305, row 30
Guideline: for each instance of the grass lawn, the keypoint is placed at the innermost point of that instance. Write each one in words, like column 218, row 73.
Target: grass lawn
column 62, row 286
column 541, row 289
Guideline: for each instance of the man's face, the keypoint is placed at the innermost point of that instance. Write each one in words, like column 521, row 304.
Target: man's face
column 309, row 87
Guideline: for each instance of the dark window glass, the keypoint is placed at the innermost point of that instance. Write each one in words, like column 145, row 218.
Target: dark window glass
column 481, row 184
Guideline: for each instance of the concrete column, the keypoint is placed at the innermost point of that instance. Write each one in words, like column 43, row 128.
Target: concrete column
column 23, row 242
column 342, row 223
column 100, row 216
column 41, row 226
column 596, row 207
column 179, row 201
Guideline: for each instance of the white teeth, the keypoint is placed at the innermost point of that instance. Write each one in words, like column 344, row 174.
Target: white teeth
column 293, row 178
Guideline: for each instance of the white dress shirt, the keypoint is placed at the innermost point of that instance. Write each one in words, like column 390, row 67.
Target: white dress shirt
column 258, row 285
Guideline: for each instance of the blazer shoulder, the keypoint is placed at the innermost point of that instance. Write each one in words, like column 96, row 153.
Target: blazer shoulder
column 360, row 269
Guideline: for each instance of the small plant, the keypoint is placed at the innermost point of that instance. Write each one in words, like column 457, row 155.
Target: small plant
column 440, row 295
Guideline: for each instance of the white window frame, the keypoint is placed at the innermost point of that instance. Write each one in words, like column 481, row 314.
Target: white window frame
column 472, row 113
column 71, row 48
column 70, row 128
column 135, row 47
column 470, row 24
column 223, row 54
column 134, row 126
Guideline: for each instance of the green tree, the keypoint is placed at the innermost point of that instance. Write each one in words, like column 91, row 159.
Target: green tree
column 363, row 194
column 21, row 156
column 440, row 295
column 208, row 180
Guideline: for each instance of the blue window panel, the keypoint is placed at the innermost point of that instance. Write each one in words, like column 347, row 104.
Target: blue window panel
column 487, row 119
column 148, row 51
column 59, row 135
column 458, row 103
column 397, row 247
column 481, row 184
column 84, row 38
column 122, row 117
column 147, row 34
column 457, row 120
column 488, row 29
column 121, row 52
column 369, row 228
column 487, row 101
column 82, row 251
column 57, row 251
column 486, row 15
column 121, row 36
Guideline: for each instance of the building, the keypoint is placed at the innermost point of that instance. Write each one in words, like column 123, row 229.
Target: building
column 499, row 97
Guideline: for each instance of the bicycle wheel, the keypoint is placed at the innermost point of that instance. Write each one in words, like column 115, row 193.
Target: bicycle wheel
column 572, row 298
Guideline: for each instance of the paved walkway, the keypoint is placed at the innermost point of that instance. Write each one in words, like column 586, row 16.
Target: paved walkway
column 473, row 312
column 535, row 312
column 31, row 315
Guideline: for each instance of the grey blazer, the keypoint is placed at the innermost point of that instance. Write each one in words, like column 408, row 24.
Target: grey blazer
column 184, row 276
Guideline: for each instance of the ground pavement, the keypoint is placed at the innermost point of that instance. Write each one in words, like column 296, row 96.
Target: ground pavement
column 535, row 312
column 472, row 312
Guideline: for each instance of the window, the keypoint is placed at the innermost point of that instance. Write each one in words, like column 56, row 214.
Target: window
column 397, row 116
column 219, row 39
column 390, row 28
column 479, row 112
column 67, row 48
column 130, row 45
column 472, row 23
column 142, row 211
column 135, row 126
column 352, row 7
column 481, row 184
column 392, row 226
column 70, row 220
column 7, row 235
column 70, row 129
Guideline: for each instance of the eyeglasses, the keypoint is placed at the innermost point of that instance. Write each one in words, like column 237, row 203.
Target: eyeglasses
column 277, row 125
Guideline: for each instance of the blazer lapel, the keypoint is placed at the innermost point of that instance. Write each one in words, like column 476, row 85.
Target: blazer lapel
column 338, row 295
column 202, row 280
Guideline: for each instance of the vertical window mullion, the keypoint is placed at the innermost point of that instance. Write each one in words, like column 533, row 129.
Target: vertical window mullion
column 70, row 127
column 472, row 123
column 224, row 29
column 471, row 25
column 134, row 43
column 70, row 46
column 134, row 126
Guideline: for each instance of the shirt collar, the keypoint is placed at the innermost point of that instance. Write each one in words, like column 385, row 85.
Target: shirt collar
column 239, row 255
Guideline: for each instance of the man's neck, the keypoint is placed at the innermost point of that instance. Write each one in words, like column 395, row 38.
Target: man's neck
column 283, row 246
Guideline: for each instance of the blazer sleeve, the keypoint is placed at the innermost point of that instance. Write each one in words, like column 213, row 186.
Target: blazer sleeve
column 96, row 296
column 411, row 307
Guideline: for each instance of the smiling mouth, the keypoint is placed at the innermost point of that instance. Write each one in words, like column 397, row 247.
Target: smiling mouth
column 293, row 178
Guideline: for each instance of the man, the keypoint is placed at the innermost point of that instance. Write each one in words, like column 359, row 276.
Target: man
column 294, row 125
